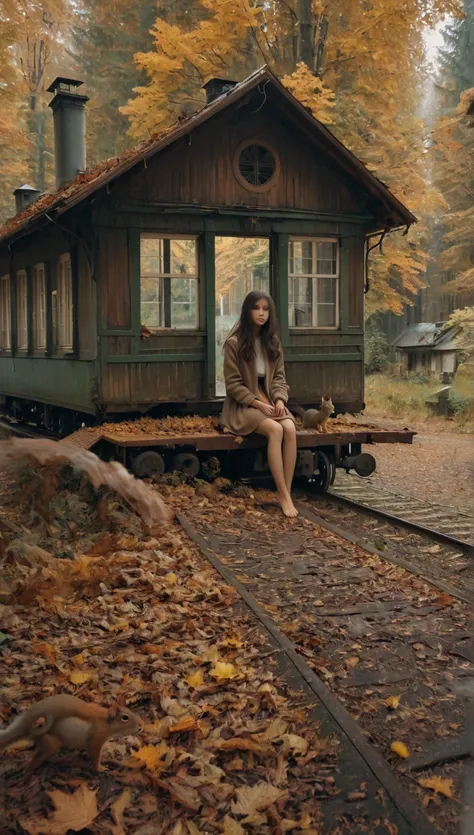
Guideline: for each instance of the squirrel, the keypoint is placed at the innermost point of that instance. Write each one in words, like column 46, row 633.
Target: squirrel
column 66, row 721
column 316, row 418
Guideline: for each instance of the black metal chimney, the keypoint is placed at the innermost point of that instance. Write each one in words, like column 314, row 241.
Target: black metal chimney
column 216, row 87
column 69, row 110
column 25, row 196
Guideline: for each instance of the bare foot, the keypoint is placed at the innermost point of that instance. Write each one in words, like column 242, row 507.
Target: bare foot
column 288, row 507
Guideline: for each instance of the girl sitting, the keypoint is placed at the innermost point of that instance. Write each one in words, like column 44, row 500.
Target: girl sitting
column 257, row 391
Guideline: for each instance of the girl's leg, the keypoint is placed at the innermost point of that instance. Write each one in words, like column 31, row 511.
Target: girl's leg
column 289, row 451
column 273, row 430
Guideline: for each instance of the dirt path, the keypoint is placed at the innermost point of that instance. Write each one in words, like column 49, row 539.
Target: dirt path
column 437, row 467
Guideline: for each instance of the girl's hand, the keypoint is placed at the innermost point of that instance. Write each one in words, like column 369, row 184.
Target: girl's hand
column 279, row 408
column 265, row 408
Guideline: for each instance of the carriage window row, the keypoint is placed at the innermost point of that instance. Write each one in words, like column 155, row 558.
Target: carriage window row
column 169, row 277
column 61, row 308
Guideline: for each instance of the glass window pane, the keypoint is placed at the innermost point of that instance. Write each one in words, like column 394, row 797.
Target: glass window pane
column 151, row 309
column 151, row 255
column 300, row 302
column 327, row 258
column 183, row 302
column 326, row 302
column 183, row 257
column 301, row 258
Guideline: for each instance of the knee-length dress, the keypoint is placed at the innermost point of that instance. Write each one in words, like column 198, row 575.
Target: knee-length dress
column 241, row 382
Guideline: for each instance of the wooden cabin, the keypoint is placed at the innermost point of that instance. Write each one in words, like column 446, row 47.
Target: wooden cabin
column 116, row 291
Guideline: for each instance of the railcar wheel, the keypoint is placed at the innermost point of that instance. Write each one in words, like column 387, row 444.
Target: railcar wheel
column 320, row 481
column 187, row 463
column 148, row 464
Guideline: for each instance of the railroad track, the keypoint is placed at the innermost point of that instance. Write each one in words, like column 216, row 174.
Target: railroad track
column 375, row 630
column 440, row 522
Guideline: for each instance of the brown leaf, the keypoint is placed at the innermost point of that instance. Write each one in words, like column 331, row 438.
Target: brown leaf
column 232, row 827
column 237, row 743
column 252, row 799
column 182, row 793
column 294, row 744
column 72, row 812
column 117, row 809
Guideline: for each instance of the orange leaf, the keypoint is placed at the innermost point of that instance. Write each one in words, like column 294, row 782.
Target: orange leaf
column 438, row 784
column 187, row 723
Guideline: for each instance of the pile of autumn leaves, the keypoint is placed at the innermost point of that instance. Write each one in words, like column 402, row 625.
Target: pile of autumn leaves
column 144, row 620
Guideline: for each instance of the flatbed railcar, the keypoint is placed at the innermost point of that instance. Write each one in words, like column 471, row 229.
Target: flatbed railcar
column 118, row 289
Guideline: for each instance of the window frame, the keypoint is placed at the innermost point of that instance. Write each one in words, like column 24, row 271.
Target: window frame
column 315, row 276
column 37, row 268
column 6, row 315
column 21, row 275
column 63, row 345
column 169, row 236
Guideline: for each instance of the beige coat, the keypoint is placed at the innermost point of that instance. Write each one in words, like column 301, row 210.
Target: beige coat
column 241, row 383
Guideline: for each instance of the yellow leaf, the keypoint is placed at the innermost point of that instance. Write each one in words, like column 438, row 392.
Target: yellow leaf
column 77, row 677
column 196, row 679
column 438, row 784
column 152, row 756
column 392, row 702
column 400, row 749
column 223, row 670
column 171, row 579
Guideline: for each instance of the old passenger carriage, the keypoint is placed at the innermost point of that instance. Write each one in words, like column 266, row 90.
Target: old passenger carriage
column 116, row 292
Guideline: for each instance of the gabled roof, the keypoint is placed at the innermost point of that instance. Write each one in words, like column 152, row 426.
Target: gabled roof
column 396, row 214
column 427, row 335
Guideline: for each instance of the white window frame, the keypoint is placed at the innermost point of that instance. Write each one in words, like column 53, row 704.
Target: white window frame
column 5, row 313
column 39, row 307
column 159, row 276
column 21, row 311
column 315, row 277
column 64, row 313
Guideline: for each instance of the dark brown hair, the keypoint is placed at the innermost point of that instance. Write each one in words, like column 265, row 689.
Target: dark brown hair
column 268, row 332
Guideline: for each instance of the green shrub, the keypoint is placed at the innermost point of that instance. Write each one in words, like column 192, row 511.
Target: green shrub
column 376, row 349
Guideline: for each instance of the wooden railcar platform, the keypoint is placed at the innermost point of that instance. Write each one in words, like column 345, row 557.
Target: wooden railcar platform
column 213, row 441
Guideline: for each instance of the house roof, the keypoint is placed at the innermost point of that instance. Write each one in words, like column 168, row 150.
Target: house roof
column 393, row 211
column 427, row 335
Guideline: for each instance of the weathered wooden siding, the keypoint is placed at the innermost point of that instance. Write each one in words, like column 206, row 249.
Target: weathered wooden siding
column 199, row 170
column 113, row 275
column 128, row 385
column 64, row 382
column 356, row 280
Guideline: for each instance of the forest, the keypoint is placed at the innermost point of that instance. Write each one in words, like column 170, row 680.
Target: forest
column 390, row 78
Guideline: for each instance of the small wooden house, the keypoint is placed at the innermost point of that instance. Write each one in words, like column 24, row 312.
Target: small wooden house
column 117, row 290
column 428, row 348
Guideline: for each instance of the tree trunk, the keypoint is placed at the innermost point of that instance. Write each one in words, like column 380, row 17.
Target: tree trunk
column 305, row 46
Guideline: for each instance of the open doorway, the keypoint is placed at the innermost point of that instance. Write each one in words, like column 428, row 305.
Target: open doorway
column 242, row 265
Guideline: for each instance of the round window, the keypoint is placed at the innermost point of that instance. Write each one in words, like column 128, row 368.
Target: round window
column 255, row 166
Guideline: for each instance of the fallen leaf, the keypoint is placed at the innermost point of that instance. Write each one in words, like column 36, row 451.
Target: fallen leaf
column 244, row 744
column 400, row 749
column 171, row 579
column 187, row 723
column 392, row 702
column 152, row 756
column 182, row 793
column 355, row 796
column 117, row 809
column 352, row 661
column 196, row 679
column 252, row 799
column 72, row 812
column 77, row 677
column 438, row 784
column 232, row 642
column 232, row 827
column 294, row 744
column 223, row 671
